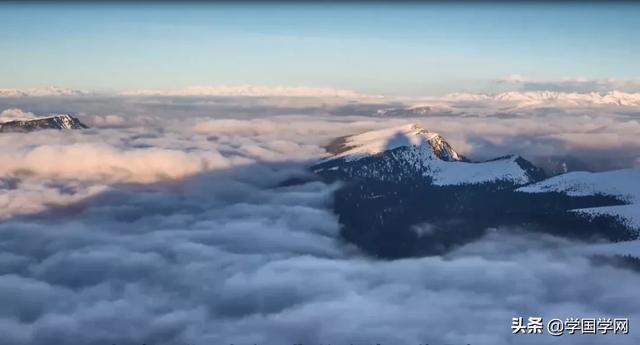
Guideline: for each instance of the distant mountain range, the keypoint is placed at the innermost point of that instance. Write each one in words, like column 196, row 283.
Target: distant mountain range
column 429, row 105
column 50, row 91
column 407, row 192
column 50, row 122
column 414, row 111
column 532, row 98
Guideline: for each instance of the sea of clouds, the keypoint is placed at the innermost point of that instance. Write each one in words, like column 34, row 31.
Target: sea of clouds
column 169, row 222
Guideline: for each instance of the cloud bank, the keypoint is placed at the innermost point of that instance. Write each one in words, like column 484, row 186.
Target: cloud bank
column 160, row 228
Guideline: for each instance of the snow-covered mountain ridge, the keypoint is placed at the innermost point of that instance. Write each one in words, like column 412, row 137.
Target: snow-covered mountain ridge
column 622, row 184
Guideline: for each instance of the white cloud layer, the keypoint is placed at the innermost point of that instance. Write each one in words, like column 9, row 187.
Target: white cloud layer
column 15, row 114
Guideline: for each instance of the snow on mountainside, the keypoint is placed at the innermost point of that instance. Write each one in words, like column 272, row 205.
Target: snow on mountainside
column 624, row 184
column 51, row 122
column 409, row 152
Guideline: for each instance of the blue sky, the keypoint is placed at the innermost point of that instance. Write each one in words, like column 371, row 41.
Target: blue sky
column 409, row 49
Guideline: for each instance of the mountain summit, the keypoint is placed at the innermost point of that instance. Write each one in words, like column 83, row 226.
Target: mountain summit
column 51, row 122
column 411, row 152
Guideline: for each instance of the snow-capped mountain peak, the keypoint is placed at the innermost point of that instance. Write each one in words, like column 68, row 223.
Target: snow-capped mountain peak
column 63, row 121
column 375, row 142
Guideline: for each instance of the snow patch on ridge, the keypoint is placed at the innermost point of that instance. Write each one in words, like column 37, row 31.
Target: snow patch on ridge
column 455, row 173
column 630, row 214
